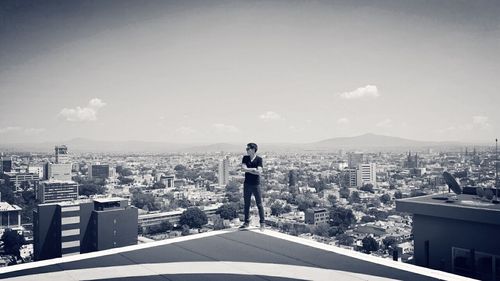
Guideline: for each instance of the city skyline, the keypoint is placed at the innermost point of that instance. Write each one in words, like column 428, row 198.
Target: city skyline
column 248, row 71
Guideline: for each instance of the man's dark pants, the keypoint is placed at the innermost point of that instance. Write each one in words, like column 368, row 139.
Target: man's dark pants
column 248, row 190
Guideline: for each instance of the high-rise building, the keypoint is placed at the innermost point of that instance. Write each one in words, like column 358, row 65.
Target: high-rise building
column 10, row 215
column 352, row 175
column 83, row 226
column 316, row 216
column 354, row 159
column 224, row 171
column 458, row 236
column 62, row 156
column 54, row 171
column 38, row 170
column 17, row 179
column 52, row 191
column 168, row 180
column 366, row 173
column 411, row 161
column 102, row 172
column 6, row 165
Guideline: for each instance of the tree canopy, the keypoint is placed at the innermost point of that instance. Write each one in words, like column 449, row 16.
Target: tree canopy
column 193, row 217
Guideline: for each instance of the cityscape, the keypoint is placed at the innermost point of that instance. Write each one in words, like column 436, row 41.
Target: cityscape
column 249, row 140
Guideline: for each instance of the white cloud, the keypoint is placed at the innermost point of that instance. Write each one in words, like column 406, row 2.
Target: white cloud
column 368, row 91
column 225, row 128
column 9, row 129
column 478, row 122
column 88, row 113
column 34, row 131
column 96, row 103
column 387, row 123
column 271, row 115
column 343, row 121
column 27, row 131
column 481, row 122
column 184, row 130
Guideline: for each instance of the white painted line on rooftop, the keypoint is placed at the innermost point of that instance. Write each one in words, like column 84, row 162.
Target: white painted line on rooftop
column 109, row 252
column 210, row 267
column 365, row 257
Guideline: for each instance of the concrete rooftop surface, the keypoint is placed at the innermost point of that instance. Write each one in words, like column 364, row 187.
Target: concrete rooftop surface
column 224, row 255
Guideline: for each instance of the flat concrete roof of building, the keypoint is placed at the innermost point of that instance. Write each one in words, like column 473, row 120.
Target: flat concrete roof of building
column 466, row 207
column 108, row 199
column 4, row 206
column 224, row 255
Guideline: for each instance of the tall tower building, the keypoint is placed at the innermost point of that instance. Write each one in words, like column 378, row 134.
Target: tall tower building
column 367, row 173
column 224, row 171
column 83, row 226
column 62, row 156
column 354, row 159
column 53, row 191
column 101, row 171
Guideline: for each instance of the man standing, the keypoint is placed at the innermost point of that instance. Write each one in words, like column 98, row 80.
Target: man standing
column 252, row 166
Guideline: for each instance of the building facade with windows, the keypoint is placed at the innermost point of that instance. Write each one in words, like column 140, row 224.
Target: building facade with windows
column 460, row 236
column 73, row 227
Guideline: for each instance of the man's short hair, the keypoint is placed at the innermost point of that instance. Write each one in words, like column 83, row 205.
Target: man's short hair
column 252, row 146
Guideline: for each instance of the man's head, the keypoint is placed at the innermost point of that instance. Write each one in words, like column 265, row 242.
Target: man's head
column 251, row 148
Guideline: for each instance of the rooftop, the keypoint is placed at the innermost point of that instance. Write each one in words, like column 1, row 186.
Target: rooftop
column 221, row 255
column 466, row 207
column 4, row 206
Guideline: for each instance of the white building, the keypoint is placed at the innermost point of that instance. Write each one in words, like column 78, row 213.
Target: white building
column 224, row 172
column 367, row 173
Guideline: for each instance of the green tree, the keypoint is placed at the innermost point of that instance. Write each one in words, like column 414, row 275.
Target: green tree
column 88, row 189
column 125, row 180
column 370, row 244
column 354, row 198
column 159, row 185
column 218, row 223
column 366, row 219
column 345, row 239
column 386, row 198
column 287, row 208
column 185, row 230
column 322, row 230
column 341, row 217
column 228, row 211
column 7, row 193
column 277, row 209
column 332, row 199
column 335, row 230
column 144, row 201
column 193, row 217
column 292, row 178
column 367, row 188
column 233, row 193
column 398, row 194
column 344, row 192
column 12, row 242
column 389, row 241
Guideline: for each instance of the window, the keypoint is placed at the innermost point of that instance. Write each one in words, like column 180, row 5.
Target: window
column 461, row 261
column 484, row 266
column 475, row 264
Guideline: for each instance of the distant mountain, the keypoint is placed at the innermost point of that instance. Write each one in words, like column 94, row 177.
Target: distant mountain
column 87, row 145
column 216, row 147
column 376, row 141
column 365, row 142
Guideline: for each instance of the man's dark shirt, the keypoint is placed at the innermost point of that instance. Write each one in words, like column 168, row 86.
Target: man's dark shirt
column 251, row 178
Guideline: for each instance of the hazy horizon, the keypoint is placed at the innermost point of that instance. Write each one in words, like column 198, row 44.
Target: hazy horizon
column 239, row 71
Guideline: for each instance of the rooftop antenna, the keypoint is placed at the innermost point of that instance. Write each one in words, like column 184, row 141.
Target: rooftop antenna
column 496, row 173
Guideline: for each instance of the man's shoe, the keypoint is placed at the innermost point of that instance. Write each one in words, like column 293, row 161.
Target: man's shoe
column 243, row 226
column 262, row 226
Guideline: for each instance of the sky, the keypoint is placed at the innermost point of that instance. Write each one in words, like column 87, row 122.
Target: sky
column 241, row 71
